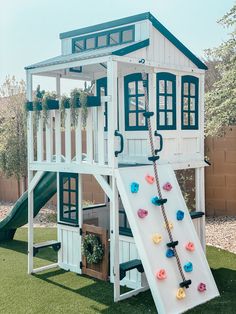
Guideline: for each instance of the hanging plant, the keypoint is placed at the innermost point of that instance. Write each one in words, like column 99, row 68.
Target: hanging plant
column 37, row 105
column 74, row 105
column 84, row 109
column 65, row 103
column 47, row 97
column 92, row 249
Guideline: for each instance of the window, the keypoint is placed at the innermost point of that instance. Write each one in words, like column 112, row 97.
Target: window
column 124, row 227
column 113, row 37
column 189, row 102
column 69, row 198
column 166, row 101
column 134, row 103
column 102, row 91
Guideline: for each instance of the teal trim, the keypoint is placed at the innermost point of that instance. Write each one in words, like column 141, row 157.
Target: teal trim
column 70, row 215
column 124, row 228
column 79, row 70
column 136, row 78
column 133, row 19
column 102, row 83
column 166, row 77
column 188, row 79
column 107, row 35
column 52, row 104
column 131, row 48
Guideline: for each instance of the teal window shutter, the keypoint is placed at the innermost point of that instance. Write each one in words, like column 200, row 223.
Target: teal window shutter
column 101, row 86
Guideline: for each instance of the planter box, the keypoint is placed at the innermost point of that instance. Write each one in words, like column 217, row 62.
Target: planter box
column 67, row 104
column 93, row 101
column 52, row 104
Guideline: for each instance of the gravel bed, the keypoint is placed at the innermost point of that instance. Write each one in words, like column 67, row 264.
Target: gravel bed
column 220, row 231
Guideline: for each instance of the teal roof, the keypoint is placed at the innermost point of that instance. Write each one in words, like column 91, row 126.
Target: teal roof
column 136, row 18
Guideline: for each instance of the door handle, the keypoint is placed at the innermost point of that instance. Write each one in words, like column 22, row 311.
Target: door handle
column 161, row 142
column 117, row 152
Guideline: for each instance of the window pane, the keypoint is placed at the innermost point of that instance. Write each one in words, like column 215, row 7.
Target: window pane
column 161, row 102
column 140, row 87
column 141, row 103
column 141, row 119
column 132, row 103
column 169, row 118
column 192, row 89
column 192, row 103
column 114, row 38
column 79, row 45
column 90, row 43
column 132, row 119
column 192, row 118
column 169, row 102
column 122, row 220
column 186, row 89
column 65, row 197
column 131, row 87
column 102, row 41
column 185, row 122
column 161, row 86
column 162, row 118
column 169, row 87
column 65, row 211
column 185, row 103
column 127, row 35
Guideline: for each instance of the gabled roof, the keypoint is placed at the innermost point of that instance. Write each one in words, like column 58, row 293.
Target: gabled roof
column 113, row 50
column 136, row 18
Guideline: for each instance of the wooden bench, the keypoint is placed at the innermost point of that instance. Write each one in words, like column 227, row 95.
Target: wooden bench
column 52, row 243
column 133, row 264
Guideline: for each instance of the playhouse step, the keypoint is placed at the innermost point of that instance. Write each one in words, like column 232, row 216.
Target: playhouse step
column 52, row 243
column 133, row 264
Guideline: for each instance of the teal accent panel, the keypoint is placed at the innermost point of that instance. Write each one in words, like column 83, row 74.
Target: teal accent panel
column 68, row 197
column 168, row 96
column 131, row 48
column 136, row 97
column 189, row 102
column 102, row 84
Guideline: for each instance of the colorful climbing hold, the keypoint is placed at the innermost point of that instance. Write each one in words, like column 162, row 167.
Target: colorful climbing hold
column 167, row 186
column 142, row 213
column 161, row 274
column 150, row 179
column 170, row 224
column 190, row 246
column 170, row 253
column 156, row 238
column 158, row 201
column 134, row 187
column 180, row 294
column 180, row 215
column 188, row 267
column 201, row 287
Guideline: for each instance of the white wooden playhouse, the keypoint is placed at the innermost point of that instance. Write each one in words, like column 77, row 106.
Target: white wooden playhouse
column 114, row 55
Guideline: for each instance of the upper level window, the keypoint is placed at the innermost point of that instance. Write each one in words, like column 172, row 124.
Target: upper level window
column 113, row 37
column 166, row 101
column 102, row 91
column 189, row 102
column 134, row 103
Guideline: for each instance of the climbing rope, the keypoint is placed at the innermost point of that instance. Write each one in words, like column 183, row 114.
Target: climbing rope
column 144, row 78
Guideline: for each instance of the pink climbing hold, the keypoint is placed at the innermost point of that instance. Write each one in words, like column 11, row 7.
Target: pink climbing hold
column 190, row 246
column 142, row 213
column 201, row 287
column 167, row 186
column 149, row 179
column 161, row 274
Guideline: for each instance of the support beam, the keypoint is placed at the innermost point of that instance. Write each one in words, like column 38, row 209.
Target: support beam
column 43, row 268
column 35, row 181
column 104, row 185
column 58, row 121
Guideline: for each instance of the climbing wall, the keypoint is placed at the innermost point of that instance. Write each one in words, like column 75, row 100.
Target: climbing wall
column 138, row 192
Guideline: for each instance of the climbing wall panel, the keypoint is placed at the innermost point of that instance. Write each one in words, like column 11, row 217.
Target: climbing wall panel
column 138, row 192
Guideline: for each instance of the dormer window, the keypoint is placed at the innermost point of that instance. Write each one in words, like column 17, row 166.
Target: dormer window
column 108, row 38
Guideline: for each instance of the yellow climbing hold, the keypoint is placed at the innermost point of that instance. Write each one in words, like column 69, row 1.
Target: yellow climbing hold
column 171, row 226
column 156, row 238
column 180, row 294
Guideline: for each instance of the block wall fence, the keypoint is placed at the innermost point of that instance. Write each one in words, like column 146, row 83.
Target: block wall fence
column 220, row 178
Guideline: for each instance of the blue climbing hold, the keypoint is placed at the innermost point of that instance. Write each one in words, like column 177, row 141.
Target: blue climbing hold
column 134, row 187
column 170, row 253
column 155, row 201
column 180, row 215
column 188, row 267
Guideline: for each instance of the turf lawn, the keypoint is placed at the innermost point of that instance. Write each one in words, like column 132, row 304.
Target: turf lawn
column 58, row 291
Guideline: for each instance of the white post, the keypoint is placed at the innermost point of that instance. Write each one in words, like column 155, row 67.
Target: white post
column 78, row 139
column 80, row 209
column 30, row 177
column 58, row 121
column 89, row 136
column 68, row 135
column 112, row 112
column 114, row 238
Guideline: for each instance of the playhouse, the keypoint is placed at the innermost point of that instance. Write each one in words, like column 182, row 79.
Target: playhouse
column 132, row 61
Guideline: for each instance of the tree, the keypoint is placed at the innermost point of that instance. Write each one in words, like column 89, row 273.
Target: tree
column 221, row 95
column 13, row 130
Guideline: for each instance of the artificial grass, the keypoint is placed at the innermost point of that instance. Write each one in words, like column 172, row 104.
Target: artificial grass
column 58, row 291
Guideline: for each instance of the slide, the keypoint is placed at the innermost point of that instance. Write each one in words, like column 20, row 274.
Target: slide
column 18, row 216
column 177, row 272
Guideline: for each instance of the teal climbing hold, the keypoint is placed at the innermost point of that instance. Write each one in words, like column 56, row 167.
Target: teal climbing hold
column 188, row 267
column 170, row 253
column 158, row 201
column 134, row 187
column 180, row 215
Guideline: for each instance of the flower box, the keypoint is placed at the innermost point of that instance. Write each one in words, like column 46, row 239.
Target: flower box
column 93, row 101
column 52, row 104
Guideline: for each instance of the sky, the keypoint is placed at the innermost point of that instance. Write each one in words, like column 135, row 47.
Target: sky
column 29, row 29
